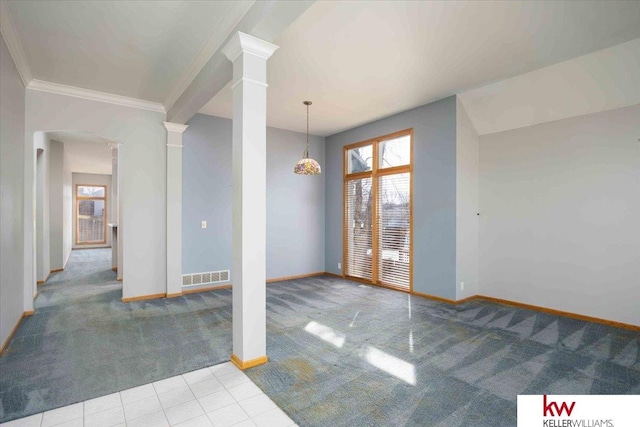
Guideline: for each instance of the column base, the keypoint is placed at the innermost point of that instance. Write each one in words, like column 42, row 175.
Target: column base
column 249, row 363
column 177, row 294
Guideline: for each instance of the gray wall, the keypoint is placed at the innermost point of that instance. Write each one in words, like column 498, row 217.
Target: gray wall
column 12, row 120
column 56, row 205
column 295, row 204
column 43, row 257
column 67, row 210
column 434, row 192
column 560, row 215
column 467, row 154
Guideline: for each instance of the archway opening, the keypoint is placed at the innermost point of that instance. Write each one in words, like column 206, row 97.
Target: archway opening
column 77, row 236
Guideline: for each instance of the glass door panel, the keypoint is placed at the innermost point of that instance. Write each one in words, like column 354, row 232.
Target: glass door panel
column 358, row 228
column 394, row 229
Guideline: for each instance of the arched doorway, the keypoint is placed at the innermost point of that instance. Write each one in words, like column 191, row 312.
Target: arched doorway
column 66, row 166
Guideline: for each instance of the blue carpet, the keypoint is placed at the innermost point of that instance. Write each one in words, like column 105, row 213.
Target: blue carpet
column 83, row 342
column 341, row 353
column 344, row 354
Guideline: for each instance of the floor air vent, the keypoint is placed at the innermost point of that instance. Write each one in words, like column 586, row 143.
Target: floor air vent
column 197, row 279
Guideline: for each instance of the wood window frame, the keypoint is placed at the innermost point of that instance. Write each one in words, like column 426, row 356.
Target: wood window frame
column 77, row 210
column 374, row 173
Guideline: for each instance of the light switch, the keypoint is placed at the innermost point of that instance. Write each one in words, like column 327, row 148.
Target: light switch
column 203, row 224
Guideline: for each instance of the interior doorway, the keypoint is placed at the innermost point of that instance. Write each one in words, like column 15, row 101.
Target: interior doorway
column 75, row 195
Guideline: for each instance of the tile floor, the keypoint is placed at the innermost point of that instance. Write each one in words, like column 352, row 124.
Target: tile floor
column 218, row 396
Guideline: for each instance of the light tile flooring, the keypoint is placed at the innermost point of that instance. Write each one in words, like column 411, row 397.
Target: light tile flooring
column 219, row 396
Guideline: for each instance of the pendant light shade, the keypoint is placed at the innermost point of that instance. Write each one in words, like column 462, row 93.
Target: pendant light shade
column 307, row 166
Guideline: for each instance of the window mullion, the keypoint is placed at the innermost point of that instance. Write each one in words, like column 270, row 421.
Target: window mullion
column 374, row 214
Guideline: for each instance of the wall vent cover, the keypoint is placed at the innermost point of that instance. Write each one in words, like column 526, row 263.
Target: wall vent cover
column 197, row 279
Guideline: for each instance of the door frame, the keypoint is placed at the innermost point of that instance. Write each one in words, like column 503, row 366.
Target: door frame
column 375, row 173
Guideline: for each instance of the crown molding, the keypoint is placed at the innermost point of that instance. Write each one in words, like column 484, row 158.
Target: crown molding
column 94, row 95
column 244, row 43
column 234, row 13
column 8, row 30
column 175, row 127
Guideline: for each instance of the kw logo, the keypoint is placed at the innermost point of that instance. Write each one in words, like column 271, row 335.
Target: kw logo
column 548, row 408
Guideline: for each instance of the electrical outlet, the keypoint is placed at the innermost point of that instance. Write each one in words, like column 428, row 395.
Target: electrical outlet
column 462, row 286
column 203, row 224
column 339, row 266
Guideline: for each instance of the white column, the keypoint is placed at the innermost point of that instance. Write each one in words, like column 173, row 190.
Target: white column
column 174, row 208
column 249, row 56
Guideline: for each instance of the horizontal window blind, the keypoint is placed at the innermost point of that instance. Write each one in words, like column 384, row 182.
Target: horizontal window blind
column 358, row 227
column 393, row 228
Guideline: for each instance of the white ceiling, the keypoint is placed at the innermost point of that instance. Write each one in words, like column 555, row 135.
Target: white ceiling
column 85, row 152
column 361, row 61
column 599, row 81
column 138, row 49
column 358, row 61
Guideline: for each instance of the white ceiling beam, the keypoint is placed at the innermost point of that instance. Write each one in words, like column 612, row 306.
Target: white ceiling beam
column 233, row 14
column 265, row 20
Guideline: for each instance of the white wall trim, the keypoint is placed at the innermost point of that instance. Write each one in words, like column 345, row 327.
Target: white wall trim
column 235, row 12
column 8, row 30
column 94, row 95
column 247, row 80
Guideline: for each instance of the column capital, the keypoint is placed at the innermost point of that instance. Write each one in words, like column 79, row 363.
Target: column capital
column 175, row 127
column 244, row 43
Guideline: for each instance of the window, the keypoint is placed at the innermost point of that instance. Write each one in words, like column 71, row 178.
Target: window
column 377, row 210
column 360, row 159
column 395, row 152
column 91, row 212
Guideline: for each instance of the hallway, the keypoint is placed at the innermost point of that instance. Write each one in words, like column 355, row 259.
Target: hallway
column 83, row 342
column 88, row 274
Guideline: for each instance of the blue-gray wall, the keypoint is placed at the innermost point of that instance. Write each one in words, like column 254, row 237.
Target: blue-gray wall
column 295, row 206
column 295, row 203
column 206, row 195
column 434, row 192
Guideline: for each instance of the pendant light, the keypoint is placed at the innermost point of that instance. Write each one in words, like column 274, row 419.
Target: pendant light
column 307, row 166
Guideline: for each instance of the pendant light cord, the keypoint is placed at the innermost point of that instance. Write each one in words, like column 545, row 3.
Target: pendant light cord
column 306, row 152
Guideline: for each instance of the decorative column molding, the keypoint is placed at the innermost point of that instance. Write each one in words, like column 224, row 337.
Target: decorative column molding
column 174, row 208
column 175, row 127
column 249, row 56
